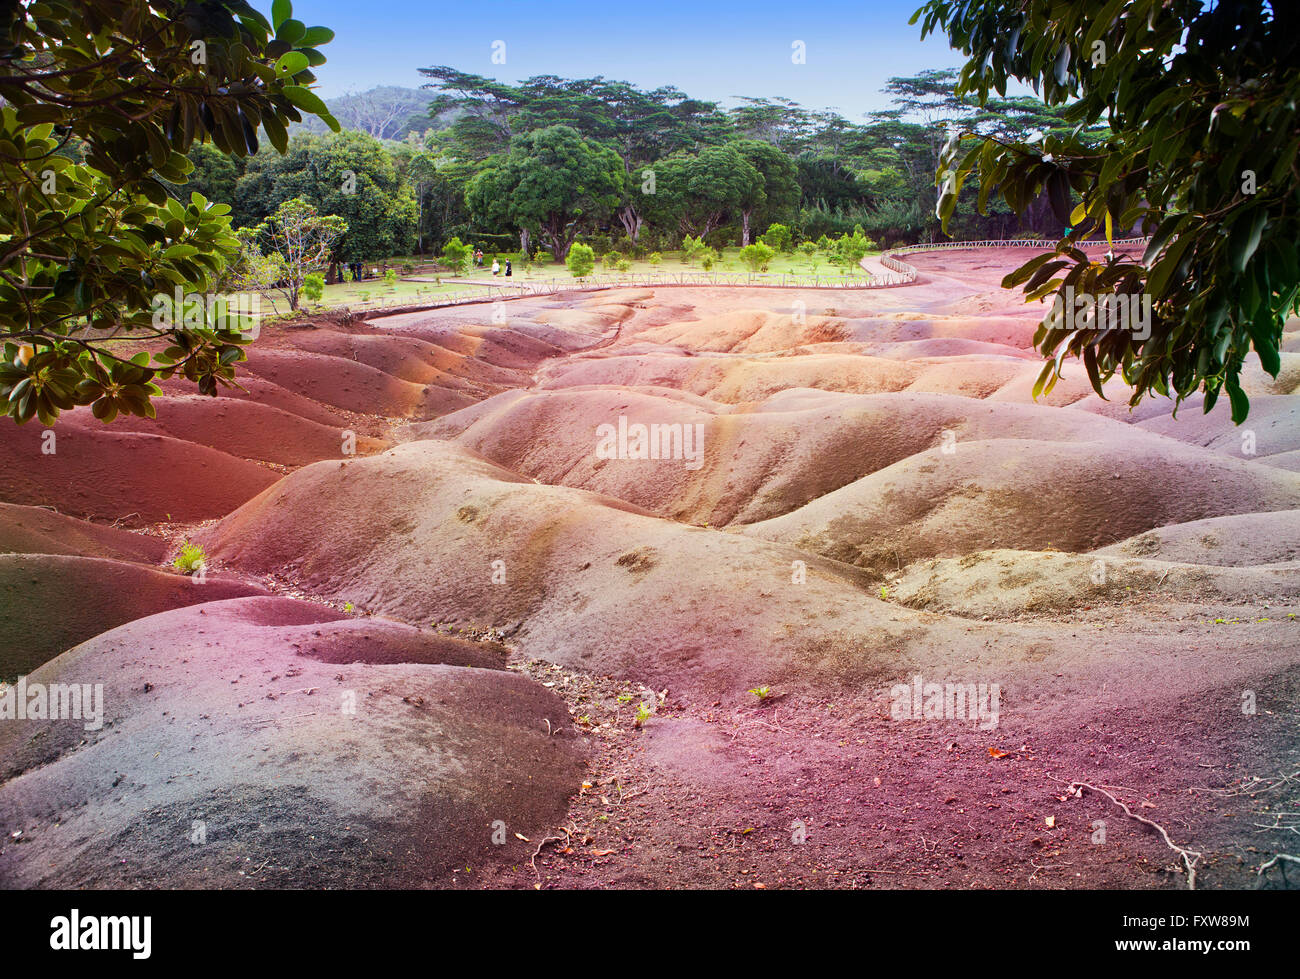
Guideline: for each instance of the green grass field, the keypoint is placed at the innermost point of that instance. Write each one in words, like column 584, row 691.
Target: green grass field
column 729, row 261
column 376, row 293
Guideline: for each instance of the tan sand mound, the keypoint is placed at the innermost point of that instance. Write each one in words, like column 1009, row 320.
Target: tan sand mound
column 1027, row 495
column 1272, row 427
column 732, row 379
column 227, row 759
column 52, row 602
column 1001, row 583
column 105, row 473
column 1238, row 541
column 35, row 530
column 586, row 580
column 1283, row 460
column 786, row 452
column 244, row 429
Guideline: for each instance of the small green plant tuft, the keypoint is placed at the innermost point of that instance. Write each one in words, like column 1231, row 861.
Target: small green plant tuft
column 762, row 693
column 191, row 559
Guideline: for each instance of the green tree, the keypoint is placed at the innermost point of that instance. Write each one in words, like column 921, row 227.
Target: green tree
column 552, row 179
column 701, row 192
column 779, row 237
column 757, row 256
column 581, row 260
column 93, row 249
column 350, row 174
column 1202, row 103
column 777, row 194
column 304, row 239
column 455, row 255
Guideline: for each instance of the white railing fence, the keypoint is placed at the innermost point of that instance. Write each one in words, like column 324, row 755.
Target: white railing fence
column 909, row 272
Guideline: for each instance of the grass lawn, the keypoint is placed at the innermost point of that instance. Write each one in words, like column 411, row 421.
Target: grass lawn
column 729, row 262
column 375, row 292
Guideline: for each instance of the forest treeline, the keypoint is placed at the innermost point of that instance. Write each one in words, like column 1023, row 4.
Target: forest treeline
column 514, row 168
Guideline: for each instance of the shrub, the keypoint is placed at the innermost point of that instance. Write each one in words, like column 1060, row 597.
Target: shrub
column 691, row 248
column 455, row 255
column 850, row 249
column 707, row 258
column 581, row 260
column 313, row 286
column 779, row 237
column 624, row 264
column 612, row 259
column 390, row 278
column 655, row 259
column 192, row 558
column 757, row 256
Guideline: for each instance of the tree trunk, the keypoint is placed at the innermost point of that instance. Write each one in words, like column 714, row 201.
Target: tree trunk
column 631, row 221
column 744, row 229
column 524, row 241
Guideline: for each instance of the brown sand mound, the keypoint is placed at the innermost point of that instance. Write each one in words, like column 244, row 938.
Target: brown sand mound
column 253, row 388
column 35, row 530
column 52, row 602
column 786, row 452
column 352, row 385
column 407, row 358
column 1026, row 495
column 227, row 759
column 244, row 429
column 106, row 473
column 1237, row 541
column 362, row 641
column 1001, row 583
column 586, row 580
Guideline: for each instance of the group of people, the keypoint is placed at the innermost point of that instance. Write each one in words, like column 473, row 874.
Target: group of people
column 496, row 265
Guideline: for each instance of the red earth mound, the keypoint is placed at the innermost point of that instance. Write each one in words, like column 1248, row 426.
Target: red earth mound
column 103, row 473
column 52, row 602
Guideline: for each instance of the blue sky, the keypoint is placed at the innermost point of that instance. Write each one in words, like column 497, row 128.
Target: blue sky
column 711, row 49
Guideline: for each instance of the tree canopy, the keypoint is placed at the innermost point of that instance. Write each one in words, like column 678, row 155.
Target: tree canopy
column 1199, row 102
column 553, row 180
column 102, row 101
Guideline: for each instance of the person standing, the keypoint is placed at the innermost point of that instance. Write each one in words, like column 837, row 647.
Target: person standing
column 496, row 266
column 509, row 272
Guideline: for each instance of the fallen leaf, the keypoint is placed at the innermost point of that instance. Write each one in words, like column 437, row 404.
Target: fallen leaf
column 521, row 836
column 1051, row 822
column 601, row 853
column 997, row 753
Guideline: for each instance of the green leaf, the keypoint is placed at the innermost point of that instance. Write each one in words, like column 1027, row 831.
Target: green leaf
column 1245, row 239
column 305, row 98
column 281, row 10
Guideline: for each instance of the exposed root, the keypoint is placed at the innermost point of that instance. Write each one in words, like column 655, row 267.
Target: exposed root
column 1190, row 857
